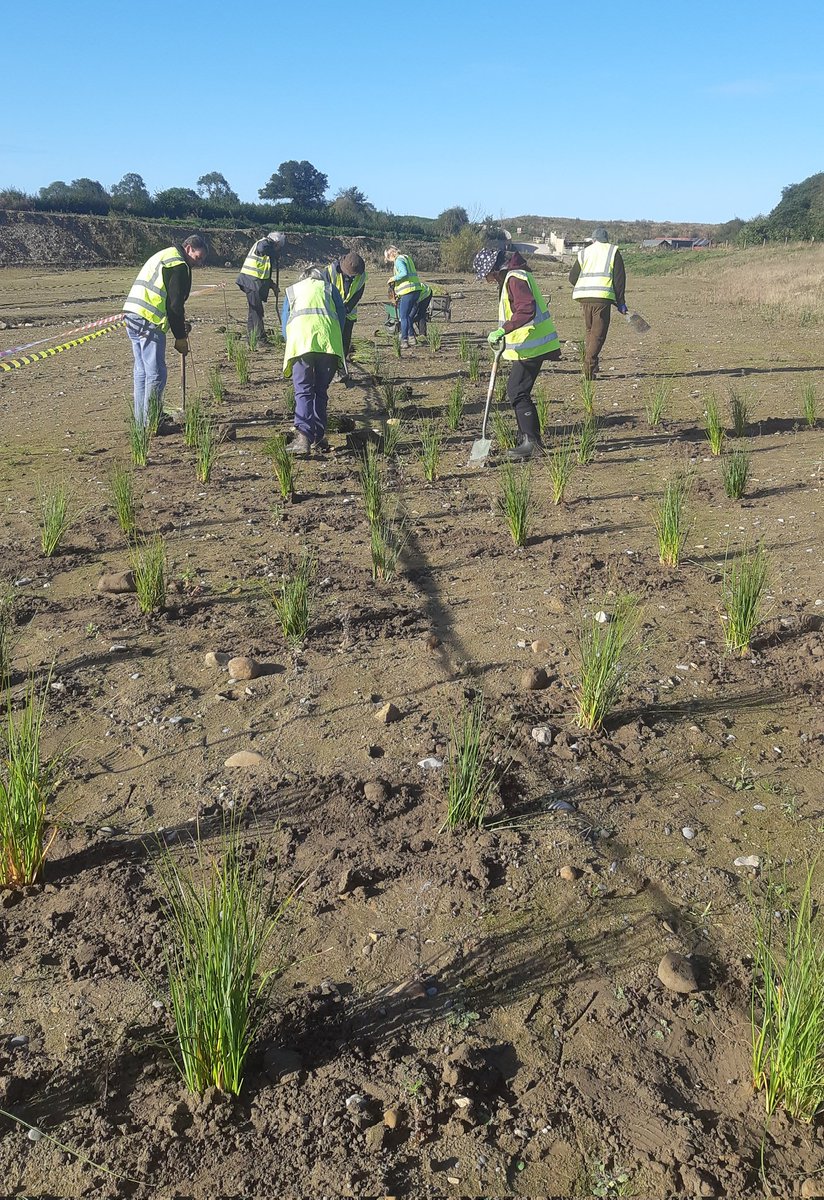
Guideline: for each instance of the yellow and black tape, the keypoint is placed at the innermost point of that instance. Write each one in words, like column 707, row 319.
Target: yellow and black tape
column 27, row 359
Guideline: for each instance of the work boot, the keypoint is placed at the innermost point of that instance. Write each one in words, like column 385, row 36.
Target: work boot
column 413, row 341
column 323, row 446
column 299, row 445
column 404, row 344
column 524, row 451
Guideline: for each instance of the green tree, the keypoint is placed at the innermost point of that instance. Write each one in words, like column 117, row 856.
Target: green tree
column 214, row 187
column 179, row 202
column 451, row 221
column 350, row 204
column 131, row 193
column 296, row 181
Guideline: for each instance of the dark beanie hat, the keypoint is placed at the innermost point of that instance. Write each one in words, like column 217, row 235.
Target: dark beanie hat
column 352, row 264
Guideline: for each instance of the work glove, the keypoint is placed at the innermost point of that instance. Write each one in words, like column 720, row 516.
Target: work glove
column 182, row 346
column 188, row 327
column 623, row 310
column 497, row 335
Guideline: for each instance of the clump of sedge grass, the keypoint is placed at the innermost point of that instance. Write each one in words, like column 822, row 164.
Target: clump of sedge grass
column 541, row 401
column 503, row 429
column 232, row 340
column 499, row 391
column 560, row 465
column 139, row 439
column 220, row 916
column 588, row 395
column 121, row 490
column 55, row 518
column 463, row 347
column 393, row 394
column 387, row 537
column 392, row 436
column 473, row 362
column 26, row 787
column 254, row 341
column 471, row 776
column 6, row 630
column 713, row 426
column 735, row 470
column 588, row 435
column 431, row 440
column 739, row 413
column 148, row 562
column 671, row 519
column 608, row 654
column 289, row 399
column 193, row 418
column 154, row 412
column 787, row 1003
column 516, row 500
column 809, row 404
column 216, row 386
column 241, row 361
column 433, row 336
column 744, row 587
column 370, row 477
column 293, row 601
column 657, row 400
column 455, row 405
column 283, row 464
column 396, row 344
column 207, row 448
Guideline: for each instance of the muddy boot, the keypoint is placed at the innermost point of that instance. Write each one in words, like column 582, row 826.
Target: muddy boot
column 524, row 451
column 299, row 445
column 404, row 344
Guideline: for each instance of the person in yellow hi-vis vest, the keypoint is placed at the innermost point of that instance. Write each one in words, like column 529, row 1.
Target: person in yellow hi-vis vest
column 313, row 317
column 529, row 339
column 255, row 278
column 347, row 275
column 407, row 291
column 599, row 280
column 155, row 305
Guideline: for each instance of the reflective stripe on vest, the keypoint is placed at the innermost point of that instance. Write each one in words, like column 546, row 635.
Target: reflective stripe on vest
column 336, row 279
column 537, row 338
column 312, row 326
column 597, row 268
column 410, row 281
column 259, row 266
column 147, row 298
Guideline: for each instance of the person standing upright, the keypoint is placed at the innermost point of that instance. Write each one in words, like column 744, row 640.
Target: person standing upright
column 255, row 278
column 313, row 318
column 599, row 280
column 154, row 306
column 529, row 339
column 348, row 276
column 404, row 288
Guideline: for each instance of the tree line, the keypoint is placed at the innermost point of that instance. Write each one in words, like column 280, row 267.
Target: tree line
column 295, row 194
column 798, row 216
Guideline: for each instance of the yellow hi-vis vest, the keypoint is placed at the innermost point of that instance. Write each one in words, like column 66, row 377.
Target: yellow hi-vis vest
column 312, row 326
column 537, row 338
column 597, row 266
column 259, row 266
column 410, row 282
column 147, row 298
column 336, row 280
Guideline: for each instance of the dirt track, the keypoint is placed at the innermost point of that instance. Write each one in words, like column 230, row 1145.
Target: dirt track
column 545, row 1011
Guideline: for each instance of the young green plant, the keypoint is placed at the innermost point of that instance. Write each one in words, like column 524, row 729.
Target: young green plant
column 588, row 435
column 216, row 388
column 541, row 400
column 433, row 337
column 560, row 465
column 809, row 404
column 55, row 517
column 431, row 445
column 26, row 788
column 471, row 775
column 6, row 631
column 370, row 477
column 241, row 361
column 386, row 538
column 713, row 426
column 473, row 362
column 154, row 412
column 516, row 501
column 588, row 396
column 743, row 590
column 671, row 519
column 293, row 601
column 207, row 448
column 455, row 405
column 283, row 464
column 735, row 470
column 658, row 400
column 193, row 418
column 139, row 439
column 609, row 651
column 121, row 490
column 392, row 436
column 503, row 429
column 463, row 347
column 739, row 413
column 148, row 562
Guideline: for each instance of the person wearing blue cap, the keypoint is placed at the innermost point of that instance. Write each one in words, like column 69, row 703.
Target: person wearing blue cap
column 528, row 336
column 599, row 280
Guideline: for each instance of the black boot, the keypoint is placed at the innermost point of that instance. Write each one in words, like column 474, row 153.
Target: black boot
column 525, row 450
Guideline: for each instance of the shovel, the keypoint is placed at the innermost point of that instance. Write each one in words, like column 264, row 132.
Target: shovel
column 482, row 445
column 637, row 322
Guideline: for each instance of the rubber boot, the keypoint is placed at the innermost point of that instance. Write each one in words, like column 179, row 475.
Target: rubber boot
column 524, row 451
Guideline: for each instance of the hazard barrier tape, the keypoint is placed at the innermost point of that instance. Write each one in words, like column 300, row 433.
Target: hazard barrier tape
column 69, row 333
column 27, row 359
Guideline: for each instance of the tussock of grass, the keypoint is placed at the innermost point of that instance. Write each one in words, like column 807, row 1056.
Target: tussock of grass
column 471, row 777
column 589, row 433
column 713, row 426
column 138, row 435
column 608, row 655
column 541, row 401
column 241, row 362
column 503, row 429
column 809, row 405
column 216, row 388
column 207, row 448
column 735, row 470
column 26, row 786
column 370, row 477
column 393, row 394
column 148, row 562
column 744, row 587
column 55, row 517
column 739, row 413
column 121, row 490
column 283, row 464
column 455, row 406
column 516, row 501
column 560, row 464
column 392, row 436
column 671, row 519
column 387, row 538
column 154, row 413
column 433, row 337
column 463, row 348
column 473, row 362
column 588, row 395
column 293, row 601
column 431, row 446
column 6, row 630
column 658, row 400
column 193, row 418
column 289, row 399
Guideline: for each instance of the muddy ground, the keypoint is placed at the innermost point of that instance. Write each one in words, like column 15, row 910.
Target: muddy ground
column 510, row 1021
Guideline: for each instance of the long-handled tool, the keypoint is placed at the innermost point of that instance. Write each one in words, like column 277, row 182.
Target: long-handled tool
column 637, row 322
column 183, row 381
column 482, row 445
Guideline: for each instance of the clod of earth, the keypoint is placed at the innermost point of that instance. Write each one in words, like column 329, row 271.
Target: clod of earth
column 570, row 874
column 676, row 973
column 391, row 1117
column 215, row 658
column 540, row 647
column 388, row 714
column 542, row 734
column 243, row 667
column 534, row 680
column 119, row 583
column 376, row 791
column 245, row 758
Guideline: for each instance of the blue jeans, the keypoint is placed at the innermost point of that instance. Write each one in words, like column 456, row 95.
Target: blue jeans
column 149, row 350
column 311, row 376
column 406, row 312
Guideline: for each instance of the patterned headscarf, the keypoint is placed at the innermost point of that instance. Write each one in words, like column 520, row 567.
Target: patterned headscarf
column 484, row 262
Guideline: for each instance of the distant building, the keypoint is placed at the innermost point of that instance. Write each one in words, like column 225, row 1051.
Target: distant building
column 674, row 243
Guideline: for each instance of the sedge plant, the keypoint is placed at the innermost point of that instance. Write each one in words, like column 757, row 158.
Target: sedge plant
column 231, row 342
column 430, row 435
column 809, row 404
column 670, row 518
column 392, row 436
column 207, row 448
column 434, row 336
column 293, row 601
column 121, row 491
column 541, row 400
column 370, row 477
column 154, row 412
column 560, row 464
column 283, row 464
column 289, row 399
column 503, row 429
column 463, row 347
column 241, row 362
column 193, row 418
column 471, row 775
column 516, row 501
column 216, row 388
column 220, row 916
column 148, row 563
column 787, row 1004
column 658, row 400
column 744, row 588
column 386, row 541
column 6, row 630
column 608, row 650
column 473, row 362
column 138, row 435
column 26, row 788
column 739, row 413
column 455, row 405
column 714, row 426
column 55, row 517
column 393, row 394
column 588, row 435
column 588, row 396
column 254, row 341
column 735, row 470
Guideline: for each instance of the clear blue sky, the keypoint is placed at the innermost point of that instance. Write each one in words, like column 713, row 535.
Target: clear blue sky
column 679, row 112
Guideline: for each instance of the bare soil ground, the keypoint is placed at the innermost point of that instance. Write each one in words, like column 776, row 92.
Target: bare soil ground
column 512, row 1022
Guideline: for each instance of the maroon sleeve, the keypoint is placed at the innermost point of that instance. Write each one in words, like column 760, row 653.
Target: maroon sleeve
column 523, row 304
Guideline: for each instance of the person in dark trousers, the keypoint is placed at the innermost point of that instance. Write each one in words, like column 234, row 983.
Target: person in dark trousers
column 348, row 276
column 421, row 314
column 154, row 306
column 599, row 280
column 529, row 337
column 313, row 318
column 255, row 278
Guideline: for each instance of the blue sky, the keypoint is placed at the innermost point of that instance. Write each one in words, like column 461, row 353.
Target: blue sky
column 679, row 112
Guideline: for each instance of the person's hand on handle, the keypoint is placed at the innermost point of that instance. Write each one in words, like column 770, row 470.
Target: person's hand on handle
column 182, row 346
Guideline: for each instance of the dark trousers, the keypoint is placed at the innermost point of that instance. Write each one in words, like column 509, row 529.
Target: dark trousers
column 254, row 319
column 407, row 305
column 311, row 376
column 596, row 325
column 348, row 329
column 522, row 375
column 421, row 315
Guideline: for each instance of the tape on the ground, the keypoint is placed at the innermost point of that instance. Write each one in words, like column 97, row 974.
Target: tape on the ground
column 27, row 359
column 69, row 333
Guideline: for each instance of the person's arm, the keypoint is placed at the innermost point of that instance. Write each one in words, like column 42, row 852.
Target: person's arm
column 523, row 305
column 352, row 302
column 575, row 272
column 178, row 281
column 401, row 269
column 619, row 280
